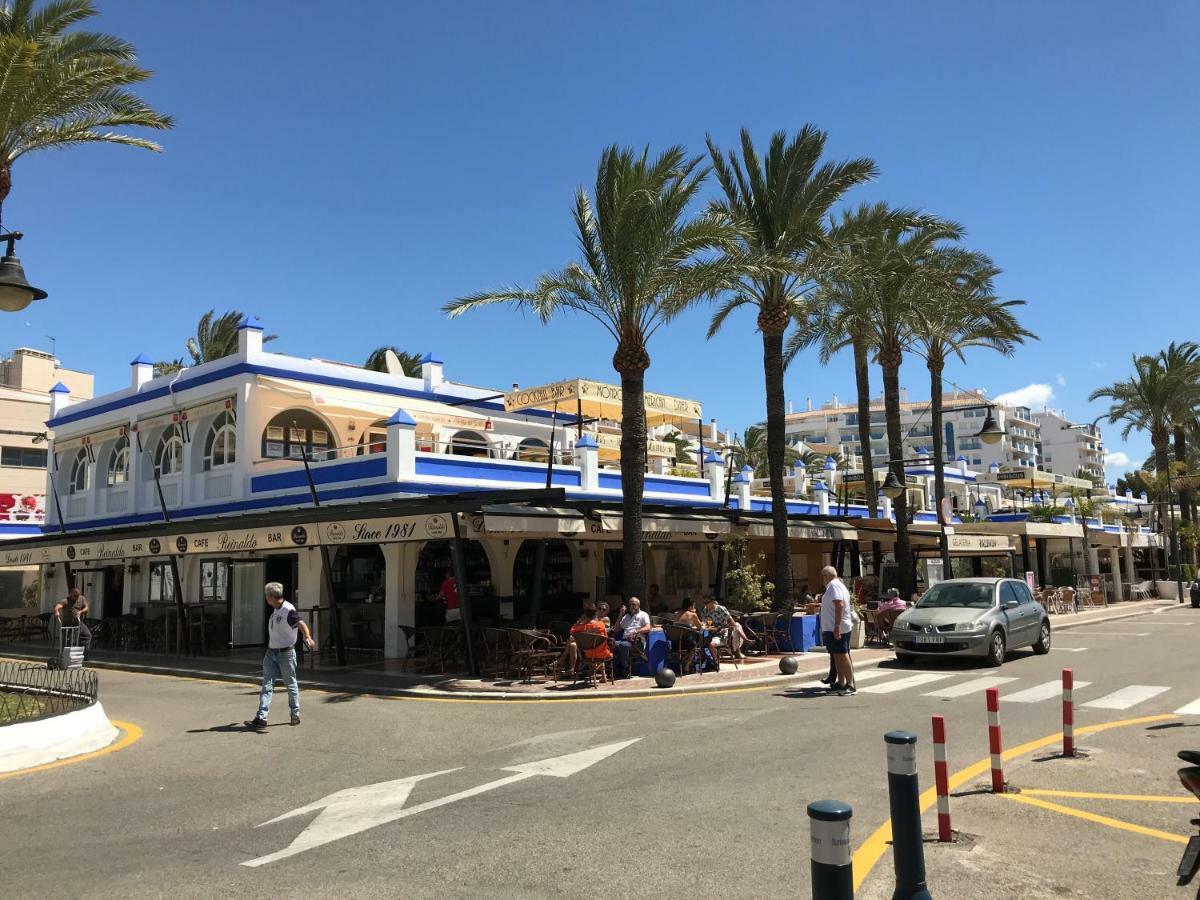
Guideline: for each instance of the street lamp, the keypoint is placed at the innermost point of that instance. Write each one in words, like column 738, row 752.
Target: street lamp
column 892, row 488
column 990, row 433
column 15, row 292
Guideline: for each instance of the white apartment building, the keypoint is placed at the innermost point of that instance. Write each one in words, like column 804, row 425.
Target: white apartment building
column 1066, row 448
column 836, row 424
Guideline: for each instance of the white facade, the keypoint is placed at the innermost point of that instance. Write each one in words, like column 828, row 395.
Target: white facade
column 1067, row 447
column 836, row 425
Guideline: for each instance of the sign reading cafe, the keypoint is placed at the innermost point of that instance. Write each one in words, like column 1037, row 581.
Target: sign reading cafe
column 347, row 531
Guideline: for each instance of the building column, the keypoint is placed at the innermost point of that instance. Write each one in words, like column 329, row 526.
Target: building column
column 399, row 591
column 1114, row 558
column 1130, row 568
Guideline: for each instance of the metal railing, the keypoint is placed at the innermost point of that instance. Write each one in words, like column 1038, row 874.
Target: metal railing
column 29, row 692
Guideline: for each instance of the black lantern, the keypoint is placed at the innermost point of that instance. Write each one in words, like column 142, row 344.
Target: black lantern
column 15, row 292
column 990, row 433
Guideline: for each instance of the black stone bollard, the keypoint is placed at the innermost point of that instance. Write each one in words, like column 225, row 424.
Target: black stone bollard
column 908, row 849
column 832, row 869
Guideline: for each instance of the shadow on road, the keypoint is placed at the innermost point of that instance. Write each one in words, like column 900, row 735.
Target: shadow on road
column 231, row 728
column 1173, row 725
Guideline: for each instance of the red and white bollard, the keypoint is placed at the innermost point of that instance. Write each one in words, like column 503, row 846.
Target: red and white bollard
column 1068, row 678
column 941, row 778
column 994, row 743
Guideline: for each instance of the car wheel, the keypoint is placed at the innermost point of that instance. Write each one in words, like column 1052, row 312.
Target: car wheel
column 904, row 658
column 996, row 648
column 1042, row 646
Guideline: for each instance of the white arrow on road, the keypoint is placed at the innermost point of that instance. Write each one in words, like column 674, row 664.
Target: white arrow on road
column 348, row 812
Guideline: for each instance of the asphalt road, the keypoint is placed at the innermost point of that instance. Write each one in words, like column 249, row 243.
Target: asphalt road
column 707, row 801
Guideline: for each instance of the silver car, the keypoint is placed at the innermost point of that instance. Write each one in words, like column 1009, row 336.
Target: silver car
column 984, row 617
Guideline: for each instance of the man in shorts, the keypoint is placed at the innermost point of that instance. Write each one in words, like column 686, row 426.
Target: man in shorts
column 836, row 623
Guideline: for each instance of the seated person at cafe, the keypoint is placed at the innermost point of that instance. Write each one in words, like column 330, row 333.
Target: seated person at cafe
column 632, row 629
column 687, row 614
column 602, row 613
column 721, row 619
column 570, row 654
column 889, row 610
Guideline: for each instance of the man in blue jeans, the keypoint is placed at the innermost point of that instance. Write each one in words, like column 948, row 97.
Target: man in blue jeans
column 280, row 662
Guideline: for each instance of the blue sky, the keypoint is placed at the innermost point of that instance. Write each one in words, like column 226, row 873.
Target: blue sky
column 341, row 170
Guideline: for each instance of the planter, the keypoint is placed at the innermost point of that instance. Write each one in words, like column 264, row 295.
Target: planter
column 858, row 636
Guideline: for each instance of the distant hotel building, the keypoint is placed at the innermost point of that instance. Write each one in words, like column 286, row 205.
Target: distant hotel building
column 1067, row 448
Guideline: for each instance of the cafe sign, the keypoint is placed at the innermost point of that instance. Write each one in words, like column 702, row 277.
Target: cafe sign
column 977, row 542
column 247, row 540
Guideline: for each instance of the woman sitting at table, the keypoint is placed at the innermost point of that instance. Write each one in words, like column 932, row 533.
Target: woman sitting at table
column 588, row 621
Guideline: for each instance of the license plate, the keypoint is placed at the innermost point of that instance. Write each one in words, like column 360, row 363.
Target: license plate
column 929, row 639
column 1191, row 857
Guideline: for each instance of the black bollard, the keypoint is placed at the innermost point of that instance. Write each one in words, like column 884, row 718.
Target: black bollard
column 832, row 870
column 908, row 849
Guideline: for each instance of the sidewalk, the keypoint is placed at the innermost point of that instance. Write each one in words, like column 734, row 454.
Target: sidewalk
column 388, row 678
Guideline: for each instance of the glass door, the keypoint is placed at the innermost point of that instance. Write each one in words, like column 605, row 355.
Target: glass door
column 91, row 584
column 247, row 609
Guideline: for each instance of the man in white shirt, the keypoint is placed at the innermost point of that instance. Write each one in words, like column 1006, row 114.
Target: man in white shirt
column 280, row 661
column 837, row 618
column 633, row 627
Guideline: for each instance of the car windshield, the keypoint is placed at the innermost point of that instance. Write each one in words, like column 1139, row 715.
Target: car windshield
column 960, row 595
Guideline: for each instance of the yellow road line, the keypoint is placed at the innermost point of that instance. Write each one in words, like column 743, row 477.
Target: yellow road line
column 1099, row 820
column 132, row 734
column 1088, row 795
column 873, row 848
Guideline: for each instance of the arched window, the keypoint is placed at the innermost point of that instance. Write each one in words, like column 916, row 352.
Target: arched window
column 294, row 433
column 168, row 458
column 118, row 463
column 81, row 472
column 220, row 446
column 374, row 439
column 532, row 450
column 468, row 443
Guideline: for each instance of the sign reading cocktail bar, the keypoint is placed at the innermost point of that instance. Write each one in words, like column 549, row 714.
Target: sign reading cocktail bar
column 347, row 531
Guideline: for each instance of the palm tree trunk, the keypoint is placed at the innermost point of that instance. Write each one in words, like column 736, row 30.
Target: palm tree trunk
column 939, row 462
column 1160, row 440
column 776, row 440
column 862, row 383
column 1185, row 494
column 633, row 480
column 891, row 405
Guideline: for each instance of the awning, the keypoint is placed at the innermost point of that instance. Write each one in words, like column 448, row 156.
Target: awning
column 610, row 447
column 599, row 400
column 670, row 526
column 823, row 531
column 349, row 403
column 529, row 521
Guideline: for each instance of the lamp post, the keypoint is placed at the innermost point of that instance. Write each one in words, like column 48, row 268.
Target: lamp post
column 16, row 292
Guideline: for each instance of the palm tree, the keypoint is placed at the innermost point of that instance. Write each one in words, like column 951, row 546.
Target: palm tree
column 1182, row 363
column 752, row 452
column 58, row 89
column 216, row 337
column 643, row 261
column 782, row 202
column 880, row 268
column 1145, row 402
column 960, row 312
column 410, row 363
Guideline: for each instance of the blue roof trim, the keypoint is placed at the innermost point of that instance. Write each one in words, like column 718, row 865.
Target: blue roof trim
column 587, row 442
column 401, row 417
column 60, row 388
column 250, row 323
column 430, row 358
column 373, row 466
column 244, row 368
column 142, row 360
column 711, row 457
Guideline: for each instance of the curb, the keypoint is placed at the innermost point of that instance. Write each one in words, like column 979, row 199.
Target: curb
column 442, row 695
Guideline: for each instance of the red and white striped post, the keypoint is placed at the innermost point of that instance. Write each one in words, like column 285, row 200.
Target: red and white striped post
column 994, row 743
column 1068, row 678
column 942, row 779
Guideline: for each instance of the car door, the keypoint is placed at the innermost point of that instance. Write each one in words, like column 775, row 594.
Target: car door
column 1031, row 610
column 1018, row 626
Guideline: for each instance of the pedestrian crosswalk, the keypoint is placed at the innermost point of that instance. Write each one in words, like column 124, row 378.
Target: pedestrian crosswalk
column 1127, row 696
column 964, row 685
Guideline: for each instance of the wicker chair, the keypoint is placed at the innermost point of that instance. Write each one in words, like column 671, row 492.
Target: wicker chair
column 685, row 646
column 532, row 652
column 589, row 670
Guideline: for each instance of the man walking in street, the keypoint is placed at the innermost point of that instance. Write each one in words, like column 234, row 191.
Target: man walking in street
column 70, row 612
column 836, row 623
column 280, row 662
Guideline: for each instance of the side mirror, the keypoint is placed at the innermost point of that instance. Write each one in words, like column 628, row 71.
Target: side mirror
column 1010, row 604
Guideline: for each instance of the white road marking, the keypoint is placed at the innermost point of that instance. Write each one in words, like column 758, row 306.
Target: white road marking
column 1069, row 649
column 1127, row 696
column 348, row 812
column 865, row 675
column 1192, row 709
column 1046, row 691
column 903, row 684
column 555, row 737
column 1058, row 636
column 970, row 687
column 1170, row 623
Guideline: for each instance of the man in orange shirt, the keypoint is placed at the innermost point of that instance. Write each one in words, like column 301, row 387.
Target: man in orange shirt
column 594, row 626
